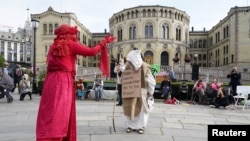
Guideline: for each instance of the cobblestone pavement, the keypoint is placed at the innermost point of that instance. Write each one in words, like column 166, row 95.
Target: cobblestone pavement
column 183, row 122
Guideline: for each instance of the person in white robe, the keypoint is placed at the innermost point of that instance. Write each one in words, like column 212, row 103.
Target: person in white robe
column 137, row 109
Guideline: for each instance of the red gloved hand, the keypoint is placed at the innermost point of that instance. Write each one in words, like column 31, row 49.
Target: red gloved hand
column 107, row 39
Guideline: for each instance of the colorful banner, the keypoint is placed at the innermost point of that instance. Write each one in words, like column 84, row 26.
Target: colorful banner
column 155, row 68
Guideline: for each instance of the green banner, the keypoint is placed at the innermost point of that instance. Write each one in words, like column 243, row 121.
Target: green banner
column 155, row 68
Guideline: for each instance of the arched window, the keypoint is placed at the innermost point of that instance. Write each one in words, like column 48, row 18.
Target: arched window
column 178, row 34
column 119, row 34
column 154, row 14
column 165, row 31
column 149, row 30
column 45, row 29
column 50, row 29
column 170, row 14
column 136, row 13
column 149, row 13
column 166, row 13
column 148, row 57
column 204, row 43
column 161, row 13
column 132, row 31
column 56, row 25
column 132, row 14
column 200, row 43
column 128, row 15
column 164, row 58
column 144, row 13
column 195, row 44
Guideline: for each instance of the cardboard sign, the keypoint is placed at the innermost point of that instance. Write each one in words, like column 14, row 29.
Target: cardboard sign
column 131, row 83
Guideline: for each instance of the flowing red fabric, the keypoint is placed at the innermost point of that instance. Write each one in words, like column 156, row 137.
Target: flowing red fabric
column 104, row 62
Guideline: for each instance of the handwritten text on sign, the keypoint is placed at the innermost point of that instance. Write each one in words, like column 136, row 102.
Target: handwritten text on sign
column 131, row 83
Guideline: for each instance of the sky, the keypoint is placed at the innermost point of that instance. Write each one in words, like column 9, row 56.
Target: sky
column 95, row 14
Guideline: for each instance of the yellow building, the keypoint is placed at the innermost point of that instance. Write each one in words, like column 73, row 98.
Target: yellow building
column 161, row 33
column 48, row 22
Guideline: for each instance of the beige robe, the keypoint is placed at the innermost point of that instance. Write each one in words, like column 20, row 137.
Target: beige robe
column 132, row 106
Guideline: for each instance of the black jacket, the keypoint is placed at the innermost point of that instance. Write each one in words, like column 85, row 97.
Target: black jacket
column 234, row 79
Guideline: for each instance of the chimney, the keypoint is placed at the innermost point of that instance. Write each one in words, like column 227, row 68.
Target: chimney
column 192, row 29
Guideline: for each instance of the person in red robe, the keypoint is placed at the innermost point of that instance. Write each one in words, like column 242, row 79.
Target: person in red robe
column 56, row 119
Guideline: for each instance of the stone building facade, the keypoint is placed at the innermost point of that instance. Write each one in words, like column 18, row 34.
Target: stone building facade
column 48, row 22
column 226, row 44
column 161, row 33
column 16, row 47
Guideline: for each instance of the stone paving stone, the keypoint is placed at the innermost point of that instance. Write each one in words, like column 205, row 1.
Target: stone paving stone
column 195, row 121
column 185, row 133
column 96, row 130
column 238, row 121
column 172, row 125
column 194, row 126
column 178, row 138
column 91, row 118
column 131, row 137
column 167, row 122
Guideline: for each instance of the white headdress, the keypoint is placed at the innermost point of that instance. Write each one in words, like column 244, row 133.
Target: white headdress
column 134, row 57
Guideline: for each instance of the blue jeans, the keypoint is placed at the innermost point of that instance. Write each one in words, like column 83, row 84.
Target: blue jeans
column 165, row 92
column 98, row 92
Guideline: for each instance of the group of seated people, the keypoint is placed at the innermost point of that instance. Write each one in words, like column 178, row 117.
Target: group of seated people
column 97, row 87
column 213, row 94
column 166, row 89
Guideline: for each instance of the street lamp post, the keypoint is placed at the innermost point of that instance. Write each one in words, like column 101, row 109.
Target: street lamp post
column 35, row 24
column 120, row 53
column 195, row 69
column 195, row 57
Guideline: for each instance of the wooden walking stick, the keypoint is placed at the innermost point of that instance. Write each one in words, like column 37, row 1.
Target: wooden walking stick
column 113, row 116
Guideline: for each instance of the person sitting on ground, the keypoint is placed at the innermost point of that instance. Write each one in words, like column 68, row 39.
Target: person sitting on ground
column 199, row 90
column 213, row 90
column 219, row 93
column 98, row 87
column 80, row 88
column 222, row 99
column 216, row 86
column 183, row 91
column 25, row 87
column 165, row 87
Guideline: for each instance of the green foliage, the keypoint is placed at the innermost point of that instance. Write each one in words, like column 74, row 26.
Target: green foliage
column 2, row 60
column 42, row 75
column 27, row 71
column 40, row 87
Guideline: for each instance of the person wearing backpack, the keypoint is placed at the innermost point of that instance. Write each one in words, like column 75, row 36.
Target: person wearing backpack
column 17, row 76
column 6, row 85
